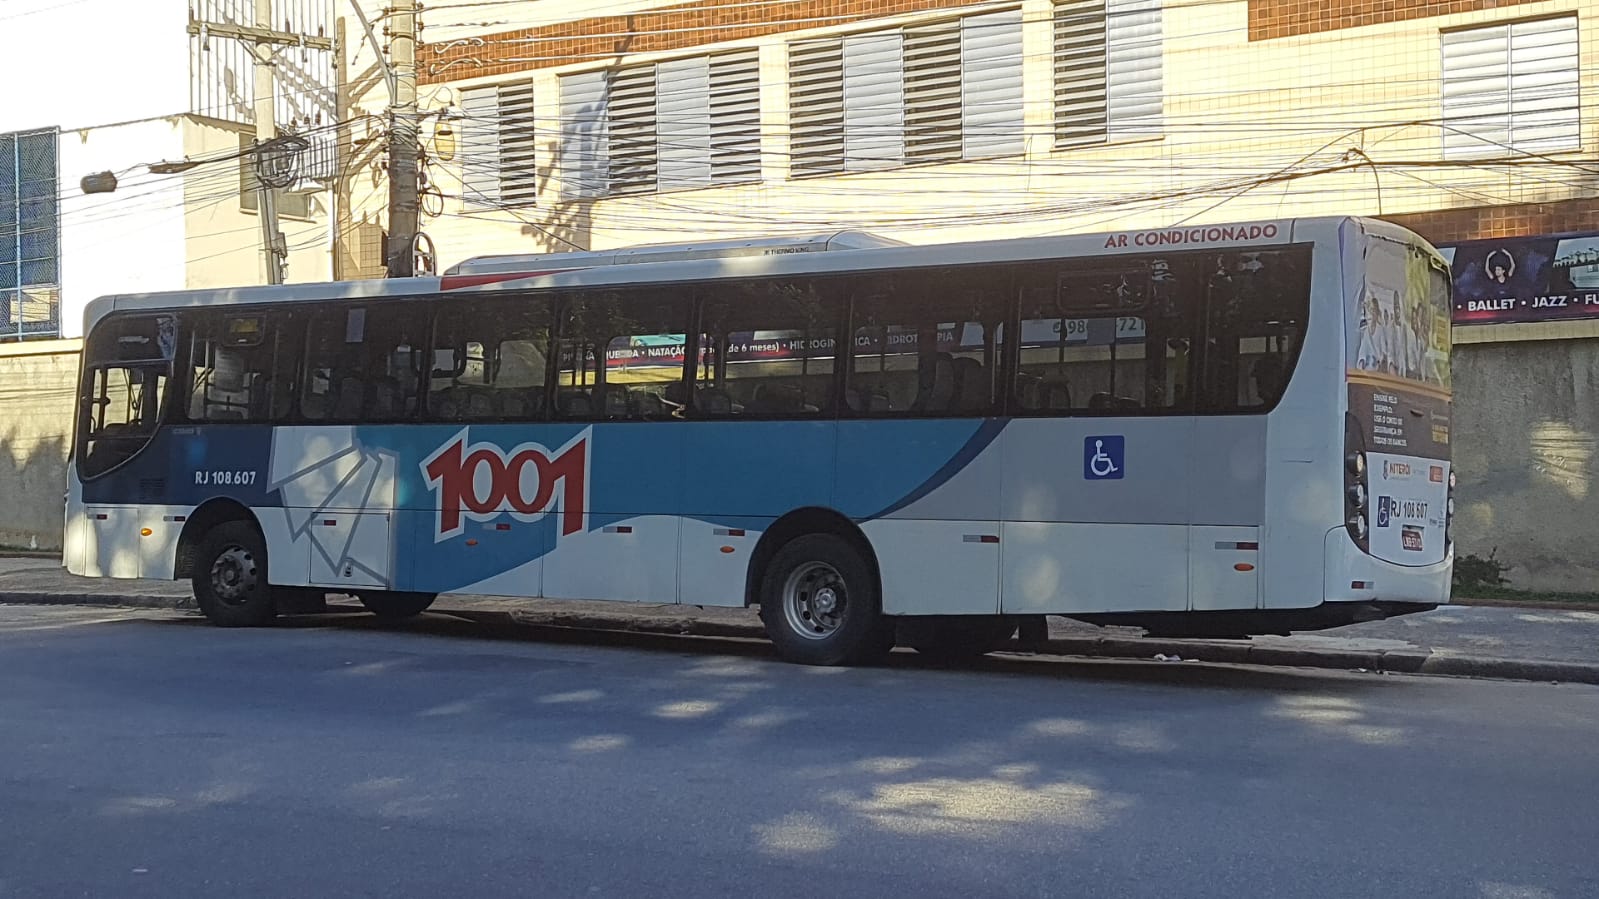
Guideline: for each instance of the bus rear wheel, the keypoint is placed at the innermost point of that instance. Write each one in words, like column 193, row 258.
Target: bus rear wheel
column 230, row 577
column 958, row 638
column 820, row 604
column 394, row 606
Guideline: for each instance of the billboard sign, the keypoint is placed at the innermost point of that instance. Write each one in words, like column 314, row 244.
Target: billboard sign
column 1525, row 279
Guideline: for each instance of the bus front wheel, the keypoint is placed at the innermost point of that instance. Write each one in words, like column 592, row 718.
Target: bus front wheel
column 820, row 604
column 230, row 577
column 395, row 606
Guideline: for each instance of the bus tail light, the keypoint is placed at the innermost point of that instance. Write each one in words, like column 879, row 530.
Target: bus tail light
column 1449, row 511
column 1356, row 495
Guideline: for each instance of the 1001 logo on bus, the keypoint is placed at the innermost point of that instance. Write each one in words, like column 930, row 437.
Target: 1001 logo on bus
column 480, row 481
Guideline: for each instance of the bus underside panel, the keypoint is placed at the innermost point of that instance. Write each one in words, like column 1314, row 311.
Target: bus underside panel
column 1256, row 622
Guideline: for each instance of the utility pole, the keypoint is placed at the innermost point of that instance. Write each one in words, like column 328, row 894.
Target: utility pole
column 402, row 140
column 262, row 38
column 274, row 250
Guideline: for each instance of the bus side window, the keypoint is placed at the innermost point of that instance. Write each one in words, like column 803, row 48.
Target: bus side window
column 926, row 345
column 1257, row 303
column 243, row 366
column 620, row 353
column 1104, row 340
column 489, row 361
column 363, row 363
column 767, row 349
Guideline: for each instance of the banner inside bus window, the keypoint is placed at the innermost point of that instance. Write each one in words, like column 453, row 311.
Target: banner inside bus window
column 666, row 350
column 1525, row 279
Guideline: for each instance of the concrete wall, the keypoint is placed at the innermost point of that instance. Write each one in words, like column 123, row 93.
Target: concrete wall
column 36, row 390
column 1526, row 424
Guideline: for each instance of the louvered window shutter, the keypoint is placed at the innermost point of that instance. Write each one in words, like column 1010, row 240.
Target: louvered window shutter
column 933, row 93
column 816, row 107
column 480, row 147
column 735, row 108
column 1080, row 101
column 1544, row 67
column 1134, row 62
column 584, row 167
column 874, row 102
column 631, row 123
column 683, row 122
column 991, row 84
column 1476, row 91
column 518, row 169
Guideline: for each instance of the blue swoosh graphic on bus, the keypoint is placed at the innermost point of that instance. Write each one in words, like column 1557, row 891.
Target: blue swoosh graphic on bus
column 973, row 447
column 729, row 474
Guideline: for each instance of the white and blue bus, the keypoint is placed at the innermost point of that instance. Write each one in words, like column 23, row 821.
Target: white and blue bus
column 1206, row 431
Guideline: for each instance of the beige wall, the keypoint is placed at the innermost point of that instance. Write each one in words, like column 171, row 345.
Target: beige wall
column 222, row 240
column 36, row 390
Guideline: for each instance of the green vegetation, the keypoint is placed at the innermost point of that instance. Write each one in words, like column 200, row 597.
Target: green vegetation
column 1484, row 579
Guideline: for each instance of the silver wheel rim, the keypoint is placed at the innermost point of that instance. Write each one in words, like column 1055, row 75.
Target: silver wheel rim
column 814, row 600
column 234, row 575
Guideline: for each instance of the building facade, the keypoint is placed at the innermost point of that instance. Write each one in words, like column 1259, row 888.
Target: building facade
column 174, row 98
column 553, row 126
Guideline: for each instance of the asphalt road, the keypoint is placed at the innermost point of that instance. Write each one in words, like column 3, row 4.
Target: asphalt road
column 145, row 754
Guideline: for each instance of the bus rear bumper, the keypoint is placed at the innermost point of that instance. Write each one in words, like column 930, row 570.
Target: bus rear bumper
column 1352, row 575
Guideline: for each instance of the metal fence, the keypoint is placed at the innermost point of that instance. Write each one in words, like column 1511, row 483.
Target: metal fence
column 32, row 313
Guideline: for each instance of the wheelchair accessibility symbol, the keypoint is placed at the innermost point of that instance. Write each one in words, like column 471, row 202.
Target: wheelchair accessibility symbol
column 1102, row 457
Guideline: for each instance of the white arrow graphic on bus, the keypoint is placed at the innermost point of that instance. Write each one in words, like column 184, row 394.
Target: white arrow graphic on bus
column 320, row 470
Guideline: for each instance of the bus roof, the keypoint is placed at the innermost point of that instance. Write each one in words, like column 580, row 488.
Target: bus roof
column 836, row 252
column 673, row 252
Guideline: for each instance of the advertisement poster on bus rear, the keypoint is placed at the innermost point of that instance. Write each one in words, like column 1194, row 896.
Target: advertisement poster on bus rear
column 1397, row 362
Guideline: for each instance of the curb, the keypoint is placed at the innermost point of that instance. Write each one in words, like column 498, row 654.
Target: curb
column 1552, row 604
column 131, row 601
column 1394, row 661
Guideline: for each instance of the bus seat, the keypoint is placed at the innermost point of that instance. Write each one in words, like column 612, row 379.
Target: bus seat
column 616, row 401
column 313, row 406
column 642, row 403
column 575, row 403
column 973, row 391
column 939, row 392
column 1029, row 390
column 1055, row 395
column 479, row 404
column 347, row 401
column 713, row 401
column 1100, row 400
column 675, row 394
column 1268, row 375
column 778, row 399
column 384, row 401
column 511, row 403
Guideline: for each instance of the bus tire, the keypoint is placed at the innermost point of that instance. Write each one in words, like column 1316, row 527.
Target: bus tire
column 961, row 638
column 230, row 576
column 392, row 605
column 820, row 603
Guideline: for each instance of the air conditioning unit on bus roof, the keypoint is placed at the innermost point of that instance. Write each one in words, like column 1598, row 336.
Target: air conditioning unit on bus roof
column 676, row 252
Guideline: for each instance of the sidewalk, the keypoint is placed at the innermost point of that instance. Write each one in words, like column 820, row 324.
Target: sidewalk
column 1485, row 641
